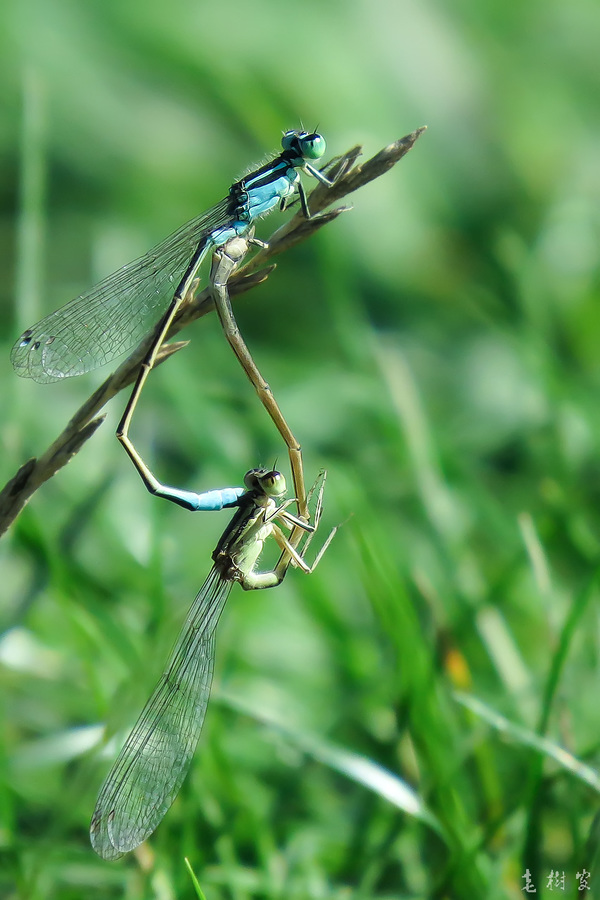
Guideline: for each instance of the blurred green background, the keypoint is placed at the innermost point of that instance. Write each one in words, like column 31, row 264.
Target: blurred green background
column 436, row 349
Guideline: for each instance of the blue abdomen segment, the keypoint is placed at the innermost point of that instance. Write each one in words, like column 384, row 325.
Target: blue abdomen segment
column 214, row 500
column 209, row 501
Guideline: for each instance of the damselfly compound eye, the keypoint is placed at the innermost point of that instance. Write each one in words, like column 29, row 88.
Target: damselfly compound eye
column 313, row 146
column 273, row 484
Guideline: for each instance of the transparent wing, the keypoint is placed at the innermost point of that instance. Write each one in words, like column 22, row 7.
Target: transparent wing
column 150, row 768
column 114, row 315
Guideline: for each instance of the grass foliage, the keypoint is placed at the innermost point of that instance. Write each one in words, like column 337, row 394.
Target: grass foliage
column 419, row 718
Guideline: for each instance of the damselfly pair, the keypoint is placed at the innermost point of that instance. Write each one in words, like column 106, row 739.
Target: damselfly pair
column 104, row 323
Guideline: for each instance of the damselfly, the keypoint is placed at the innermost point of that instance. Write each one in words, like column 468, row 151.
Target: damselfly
column 117, row 313
column 150, row 769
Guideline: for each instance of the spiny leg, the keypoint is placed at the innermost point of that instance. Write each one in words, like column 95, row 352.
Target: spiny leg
column 290, row 555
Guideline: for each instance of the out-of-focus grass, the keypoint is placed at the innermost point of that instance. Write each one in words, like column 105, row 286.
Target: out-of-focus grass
column 435, row 350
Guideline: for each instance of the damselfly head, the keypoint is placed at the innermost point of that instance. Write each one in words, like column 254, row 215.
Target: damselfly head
column 307, row 145
column 268, row 481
